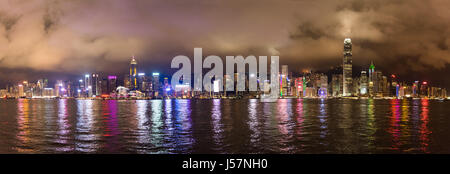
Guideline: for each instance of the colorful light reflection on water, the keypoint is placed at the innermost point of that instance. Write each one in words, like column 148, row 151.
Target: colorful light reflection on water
column 224, row 126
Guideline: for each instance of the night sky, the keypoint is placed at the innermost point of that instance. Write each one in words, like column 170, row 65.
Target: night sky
column 66, row 39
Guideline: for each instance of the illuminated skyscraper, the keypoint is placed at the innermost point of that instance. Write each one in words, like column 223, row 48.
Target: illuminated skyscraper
column 156, row 84
column 323, row 86
column 347, row 67
column 88, row 85
column 371, row 72
column 372, row 80
column 59, row 86
column 133, row 74
column 41, row 84
column 363, row 83
column 96, row 88
column 284, row 80
column 112, row 84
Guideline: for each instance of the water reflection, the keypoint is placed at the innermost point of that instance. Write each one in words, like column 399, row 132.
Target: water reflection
column 216, row 115
column 300, row 119
column 157, row 126
column 223, row 126
column 143, row 129
column 111, row 129
column 285, row 126
column 183, row 137
column 253, row 122
column 85, row 137
column 23, row 122
column 405, row 130
column 323, row 119
column 394, row 130
column 168, row 125
column 424, row 131
column 345, row 142
column 371, row 127
column 64, row 128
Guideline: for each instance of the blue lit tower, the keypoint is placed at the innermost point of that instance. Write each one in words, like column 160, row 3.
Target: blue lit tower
column 347, row 67
column 133, row 74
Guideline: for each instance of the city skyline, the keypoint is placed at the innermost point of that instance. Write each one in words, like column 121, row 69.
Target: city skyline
column 370, row 82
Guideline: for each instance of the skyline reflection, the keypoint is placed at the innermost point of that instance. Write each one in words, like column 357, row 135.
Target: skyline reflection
column 222, row 126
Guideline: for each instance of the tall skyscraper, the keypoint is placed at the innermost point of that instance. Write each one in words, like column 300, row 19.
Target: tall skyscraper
column 363, row 83
column 88, row 85
column 371, row 81
column 112, row 84
column 371, row 72
column 96, row 88
column 156, row 84
column 59, row 86
column 133, row 74
column 347, row 67
column 284, row 79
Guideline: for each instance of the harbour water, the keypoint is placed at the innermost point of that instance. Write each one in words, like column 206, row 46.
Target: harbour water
column 183, row 126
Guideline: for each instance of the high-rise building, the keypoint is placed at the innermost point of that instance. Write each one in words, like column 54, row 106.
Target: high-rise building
column 41, row 84
column 323, row 86
column 112, row 84
column 284, row 80
column 21, row 92
column 371, row 72
column 144, row 83
column 96, row 87
column 372, row 80
column 424, row 91
column 363, row 83
column 59, row 86
column 337, row 85
column 347, row 67
column 298, row 87
column 87, row 85
column 156, row 84
column 356, row 86
column 133, row 74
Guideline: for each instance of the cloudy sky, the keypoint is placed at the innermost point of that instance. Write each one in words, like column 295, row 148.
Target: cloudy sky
column 64, row 38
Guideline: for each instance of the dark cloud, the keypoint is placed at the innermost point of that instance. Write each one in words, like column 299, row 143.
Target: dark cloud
column 75, row 37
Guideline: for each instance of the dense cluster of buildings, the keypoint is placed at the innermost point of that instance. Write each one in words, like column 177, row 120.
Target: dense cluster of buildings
column 369, row 83
column 134, row 85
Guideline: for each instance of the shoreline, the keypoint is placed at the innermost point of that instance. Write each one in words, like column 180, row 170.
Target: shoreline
column 317, row 98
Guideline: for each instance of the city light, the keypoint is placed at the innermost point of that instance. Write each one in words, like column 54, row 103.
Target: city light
column 309, row 84
column 244, row 80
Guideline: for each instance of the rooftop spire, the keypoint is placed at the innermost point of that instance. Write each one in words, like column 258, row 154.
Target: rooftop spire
column 133, row 60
